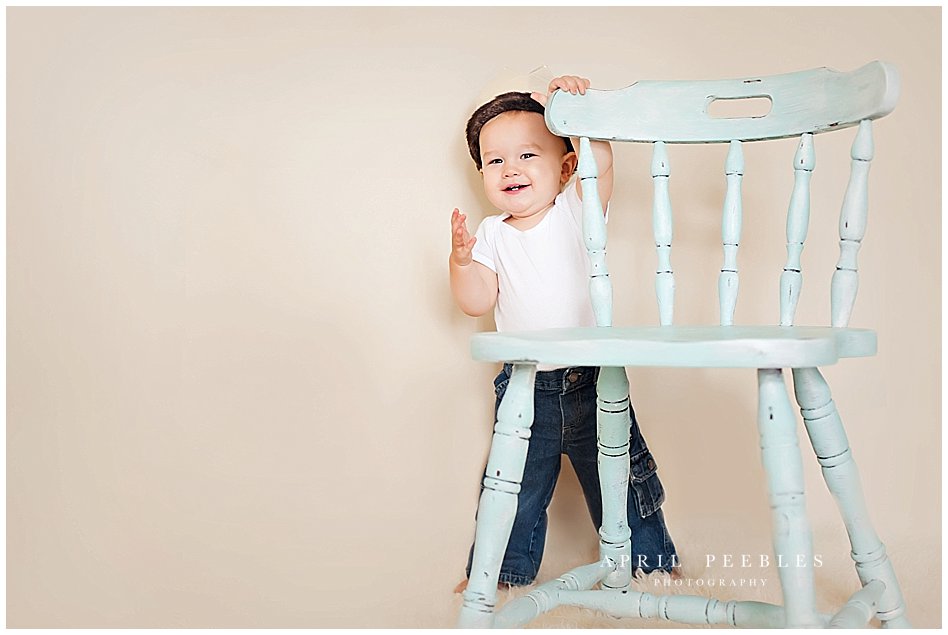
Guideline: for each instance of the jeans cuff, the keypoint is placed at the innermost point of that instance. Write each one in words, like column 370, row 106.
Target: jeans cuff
column 514, row 579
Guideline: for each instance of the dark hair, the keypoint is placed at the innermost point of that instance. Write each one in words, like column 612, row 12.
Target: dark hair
column 508, row 102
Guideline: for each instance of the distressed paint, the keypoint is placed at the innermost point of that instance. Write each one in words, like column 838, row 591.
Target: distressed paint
column 613, row 424
column 543, row 598
column 662, row 227
column 860, row 608
column 828, row 438
column 852, row 227
column 594, row 234
column 784, row 468
column 798, row 220
column 677, row 111
column 683, row 609
column 498, row 502
column 679, row 346
column 731, row 233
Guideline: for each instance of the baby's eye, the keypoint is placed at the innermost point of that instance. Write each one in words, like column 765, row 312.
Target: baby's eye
column 527, row 155
column 494, row 162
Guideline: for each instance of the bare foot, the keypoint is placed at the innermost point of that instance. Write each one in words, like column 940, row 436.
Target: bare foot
column 501, row 586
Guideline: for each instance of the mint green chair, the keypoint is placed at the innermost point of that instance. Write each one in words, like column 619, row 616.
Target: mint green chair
column 803, row 104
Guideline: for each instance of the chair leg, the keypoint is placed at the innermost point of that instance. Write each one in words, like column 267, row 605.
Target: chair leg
column 825, row 429
column 498, row 503
column 793, row 544
column 614, row 427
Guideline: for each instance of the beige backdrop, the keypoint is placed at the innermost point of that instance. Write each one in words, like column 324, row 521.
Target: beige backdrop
column 239, row 393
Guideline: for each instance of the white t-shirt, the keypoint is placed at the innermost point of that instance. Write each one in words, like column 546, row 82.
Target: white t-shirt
column 542, row 272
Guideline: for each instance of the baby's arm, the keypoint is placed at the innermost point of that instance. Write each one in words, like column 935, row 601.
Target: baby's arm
column 602, row 150
column 473, row 285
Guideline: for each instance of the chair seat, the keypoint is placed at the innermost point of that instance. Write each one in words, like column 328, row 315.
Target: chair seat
column 679, row 346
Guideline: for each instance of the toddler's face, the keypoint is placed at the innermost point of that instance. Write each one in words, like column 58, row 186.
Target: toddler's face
column 525, row 165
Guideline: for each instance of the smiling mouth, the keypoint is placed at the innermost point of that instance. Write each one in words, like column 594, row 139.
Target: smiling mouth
column 515, row 188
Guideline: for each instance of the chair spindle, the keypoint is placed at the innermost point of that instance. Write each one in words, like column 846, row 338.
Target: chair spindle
column 798, row 220
column 731, row 219
column 852, row 227
column 594, row 233
column 662, row 227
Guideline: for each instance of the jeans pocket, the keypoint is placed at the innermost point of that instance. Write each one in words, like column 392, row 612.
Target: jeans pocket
column 500, row 384
column 648, row 490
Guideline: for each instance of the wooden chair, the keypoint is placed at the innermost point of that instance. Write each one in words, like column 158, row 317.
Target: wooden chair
column 663, row 112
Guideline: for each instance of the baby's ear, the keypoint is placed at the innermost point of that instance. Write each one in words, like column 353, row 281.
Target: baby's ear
column 568, row 166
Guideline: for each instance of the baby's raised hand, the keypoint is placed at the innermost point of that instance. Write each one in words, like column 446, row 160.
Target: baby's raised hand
column 461, row 240
column 571, row 83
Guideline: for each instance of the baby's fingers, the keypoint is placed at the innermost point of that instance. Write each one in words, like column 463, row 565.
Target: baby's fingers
column 457, row 219
column 577, row 85
column 464, row 248
column 461, row 237
column 571, row 83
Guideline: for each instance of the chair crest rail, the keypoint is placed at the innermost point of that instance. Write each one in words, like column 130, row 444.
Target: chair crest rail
column 810, row 101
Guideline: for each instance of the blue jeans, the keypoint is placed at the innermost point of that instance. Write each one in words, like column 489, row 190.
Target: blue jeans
column 565, row 423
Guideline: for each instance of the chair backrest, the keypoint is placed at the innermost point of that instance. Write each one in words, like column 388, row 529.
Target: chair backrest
column 662, row 112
